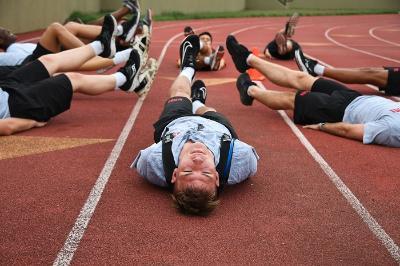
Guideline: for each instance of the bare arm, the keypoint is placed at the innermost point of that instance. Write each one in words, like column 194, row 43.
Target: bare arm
column 13, row 125
column 341, row 129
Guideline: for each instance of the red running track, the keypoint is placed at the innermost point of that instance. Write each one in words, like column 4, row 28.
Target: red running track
column 290, row 213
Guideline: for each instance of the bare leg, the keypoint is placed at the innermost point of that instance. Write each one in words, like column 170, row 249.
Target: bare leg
column 82, row 31
column 275, row 100
column 374, row 76
column 91, row 84
column 180, row 87
column 68, row 60
column 56, row 35
column 282, row 76
column 97, row 63
column 205, row 109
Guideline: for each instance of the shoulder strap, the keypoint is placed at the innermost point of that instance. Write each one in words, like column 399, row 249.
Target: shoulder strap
column 168, row 158
column 224, row 166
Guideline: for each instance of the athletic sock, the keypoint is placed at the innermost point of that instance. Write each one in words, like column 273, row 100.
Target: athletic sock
column 207, row 60
column 248, row 58
column 120, row 30
column 188, row 72
column 319, row 69
column 97, row 47
column 196, row 105
column 120, row 79
column 122, row 56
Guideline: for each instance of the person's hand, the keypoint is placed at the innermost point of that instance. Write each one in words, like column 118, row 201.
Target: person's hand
column 314, row 126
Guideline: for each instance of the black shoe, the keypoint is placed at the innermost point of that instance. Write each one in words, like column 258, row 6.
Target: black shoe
column 129, row 27
column 131, row 71
column 107, row 36
column 239, row 53
column 304, row 63
column 242, row 84
column 188, row 31
column 199, row 91
column 188, row 51
column 132, row 5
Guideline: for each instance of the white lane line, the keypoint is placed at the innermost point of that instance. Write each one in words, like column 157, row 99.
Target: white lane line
column 327, row 32
column 65, row 255
column 371, row 32
column 368, row 219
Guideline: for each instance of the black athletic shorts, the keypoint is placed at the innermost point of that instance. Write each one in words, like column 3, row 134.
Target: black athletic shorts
column 272, row 48
column 393, row 82
column 35, row 95
column 6, row 70
column 326, row 102
column 38, row 52
column 177, row 107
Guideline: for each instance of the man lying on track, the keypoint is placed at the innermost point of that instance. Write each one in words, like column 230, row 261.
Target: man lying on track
column 282, row 47
column 196, row 150
column 320, row 104
column 386, row 78
column 33, row 94
column 208, row 58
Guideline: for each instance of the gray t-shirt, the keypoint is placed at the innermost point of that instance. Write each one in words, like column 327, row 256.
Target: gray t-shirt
column 380, row 116
column 149, row 164
column 4, row 109
column 16, row 54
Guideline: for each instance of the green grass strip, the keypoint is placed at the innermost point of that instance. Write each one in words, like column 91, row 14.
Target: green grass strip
column 166, row 16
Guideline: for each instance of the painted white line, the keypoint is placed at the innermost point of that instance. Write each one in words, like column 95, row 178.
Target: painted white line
column 371, row 32
column 327, row 32
column 65, row 255
column 368, row 219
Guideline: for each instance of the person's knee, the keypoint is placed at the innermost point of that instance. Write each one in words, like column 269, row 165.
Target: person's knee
column 55, row 27
column 49, row 59
column 181, row 91
column 75, row 79
column 71, row 26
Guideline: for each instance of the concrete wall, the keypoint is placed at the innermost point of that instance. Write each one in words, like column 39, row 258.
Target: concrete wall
column 27, row 15
column 325, row 4
column 185, row 6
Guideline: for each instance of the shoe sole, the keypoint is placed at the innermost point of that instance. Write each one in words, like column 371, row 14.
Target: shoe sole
column 217, row 58
column 292, row 22
column 299, row 62
column 113, row 48
column 151, row 69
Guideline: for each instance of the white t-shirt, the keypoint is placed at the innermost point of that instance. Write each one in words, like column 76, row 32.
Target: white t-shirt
column 16, row 53
column 4, row 109
column 380, row 116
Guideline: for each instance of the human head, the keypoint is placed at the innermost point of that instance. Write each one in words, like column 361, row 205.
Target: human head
column 188, row 31
column 195, row 180
column 206, row 37
column 6, row 38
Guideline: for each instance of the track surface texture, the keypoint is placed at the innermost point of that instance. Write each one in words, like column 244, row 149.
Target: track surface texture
column 67, row 195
